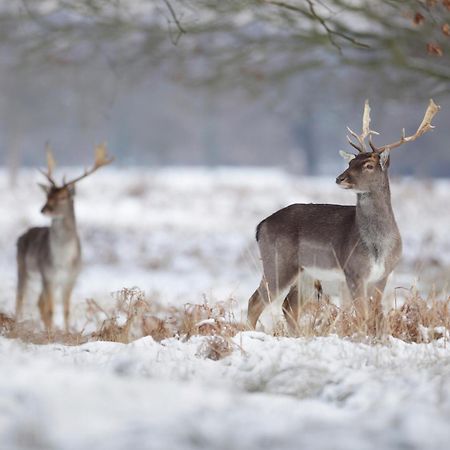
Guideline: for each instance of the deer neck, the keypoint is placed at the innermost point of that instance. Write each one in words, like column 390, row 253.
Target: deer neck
column 375, row 220
column 64, row 229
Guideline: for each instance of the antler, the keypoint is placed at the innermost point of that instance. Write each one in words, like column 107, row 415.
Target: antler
column 366, row 131
column 50, row 166
column 101, row 159
column 425, row 126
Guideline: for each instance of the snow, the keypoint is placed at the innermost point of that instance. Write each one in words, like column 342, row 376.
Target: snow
column 270, row 393
column 186, row 235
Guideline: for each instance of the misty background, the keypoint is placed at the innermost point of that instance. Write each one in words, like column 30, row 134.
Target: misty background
column 168, row 106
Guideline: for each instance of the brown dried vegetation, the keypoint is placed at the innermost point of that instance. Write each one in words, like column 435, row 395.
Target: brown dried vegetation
column 134, row 316
column 417, row 320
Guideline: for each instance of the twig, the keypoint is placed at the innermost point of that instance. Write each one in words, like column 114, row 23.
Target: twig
column 181, row 30
column 312, row 14
column 328, row 30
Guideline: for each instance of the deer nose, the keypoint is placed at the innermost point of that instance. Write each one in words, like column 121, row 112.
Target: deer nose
column 340, row 178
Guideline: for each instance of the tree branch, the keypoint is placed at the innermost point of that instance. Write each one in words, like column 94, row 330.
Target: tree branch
column 181, row 30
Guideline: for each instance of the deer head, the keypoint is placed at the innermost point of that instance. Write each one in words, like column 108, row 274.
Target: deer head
column 60, row 197
column 367, row 170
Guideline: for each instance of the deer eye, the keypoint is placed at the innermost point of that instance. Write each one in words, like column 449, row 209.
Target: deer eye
column 369, row 166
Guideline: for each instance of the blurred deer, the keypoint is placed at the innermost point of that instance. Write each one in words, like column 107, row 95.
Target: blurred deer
column 54, row 252
column 359, row 245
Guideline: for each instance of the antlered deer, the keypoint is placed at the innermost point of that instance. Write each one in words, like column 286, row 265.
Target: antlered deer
column 54, row 252
column 360, row 244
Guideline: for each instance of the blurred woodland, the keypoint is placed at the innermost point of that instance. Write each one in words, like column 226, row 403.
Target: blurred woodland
column 250, row 82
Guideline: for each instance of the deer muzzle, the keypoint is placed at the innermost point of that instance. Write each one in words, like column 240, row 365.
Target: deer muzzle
column 343, row 180
column 46, row 209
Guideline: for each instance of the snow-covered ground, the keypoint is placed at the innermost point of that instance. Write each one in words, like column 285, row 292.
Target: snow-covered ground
column 184, row 235
column 270, row 393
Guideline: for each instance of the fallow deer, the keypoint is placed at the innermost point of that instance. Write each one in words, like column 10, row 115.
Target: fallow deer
column 359, row 245
column 54, row 252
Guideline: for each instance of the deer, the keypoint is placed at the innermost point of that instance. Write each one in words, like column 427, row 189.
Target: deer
column 54, row 252
column 357, row 245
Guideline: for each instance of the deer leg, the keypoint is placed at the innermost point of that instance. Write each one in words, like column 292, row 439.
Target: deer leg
column 46, row 305
column 21, row 288
column 257, row 303
column 42, row 305
column 377, row 289
column 67, row 293
column 277, row 277
column 357, row 287
column 358, row 292
column 376, row 317
column 290, row 308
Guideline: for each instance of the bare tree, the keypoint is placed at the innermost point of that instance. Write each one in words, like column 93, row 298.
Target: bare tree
column 253, row 39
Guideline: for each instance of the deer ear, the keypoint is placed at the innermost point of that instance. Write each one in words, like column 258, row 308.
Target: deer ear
column 384, row 159
column 45, row 188
column 347, row 156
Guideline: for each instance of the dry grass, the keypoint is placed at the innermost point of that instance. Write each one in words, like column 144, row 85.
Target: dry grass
column 134, row 316
column 30, row 331
column 215, row 348
column 120, row 323
column 417, row 320
column 6, row 324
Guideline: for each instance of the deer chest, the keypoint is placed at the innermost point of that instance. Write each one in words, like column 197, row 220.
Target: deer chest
column 383, row 258
column 65, row 255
